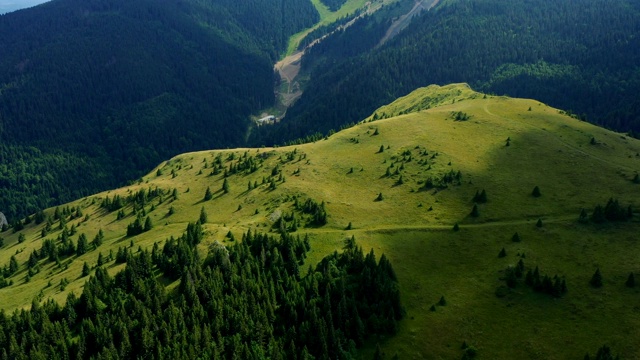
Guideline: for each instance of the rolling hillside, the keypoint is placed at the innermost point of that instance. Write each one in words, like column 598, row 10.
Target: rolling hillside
column 399, row 182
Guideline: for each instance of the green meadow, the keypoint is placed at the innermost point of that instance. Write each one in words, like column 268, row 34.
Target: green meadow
column 399, row 182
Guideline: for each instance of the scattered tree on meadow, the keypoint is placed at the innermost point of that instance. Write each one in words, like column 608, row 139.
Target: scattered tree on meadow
column 536, row 192
column 225, row 186
column 208, row 195
column 474, row 211
column 86, row 270
column 631, row 280
column 596, row 279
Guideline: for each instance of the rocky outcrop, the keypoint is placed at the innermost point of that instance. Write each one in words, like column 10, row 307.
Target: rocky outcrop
column 3, row 220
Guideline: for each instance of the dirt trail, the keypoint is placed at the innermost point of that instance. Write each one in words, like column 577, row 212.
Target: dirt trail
column 404, row 20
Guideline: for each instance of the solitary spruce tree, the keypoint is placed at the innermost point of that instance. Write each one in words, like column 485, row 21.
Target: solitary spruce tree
column 596, row 279
column 225, row 186
column 536, row 192
column 631, row 281
column 208, row 195
column 474, row 211
column 85, row 269
column 203, row 216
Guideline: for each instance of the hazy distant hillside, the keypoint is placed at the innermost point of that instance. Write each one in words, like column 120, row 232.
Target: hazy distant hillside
column 13, row 5
column 119, row 85
column 581, row 56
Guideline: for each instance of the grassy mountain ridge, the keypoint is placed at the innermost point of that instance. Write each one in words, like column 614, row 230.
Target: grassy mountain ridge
column 446, row 144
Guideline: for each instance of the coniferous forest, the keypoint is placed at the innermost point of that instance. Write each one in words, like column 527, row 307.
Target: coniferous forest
column 102, row 90
column 578, row 56
column 253, row 300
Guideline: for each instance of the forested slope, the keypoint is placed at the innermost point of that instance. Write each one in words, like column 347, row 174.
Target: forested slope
column 580, row 56
column 120, row 85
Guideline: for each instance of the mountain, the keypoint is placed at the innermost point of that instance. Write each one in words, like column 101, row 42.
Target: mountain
column 10, row 5
column 498, row 214
column 579, row 56
column 94, row 93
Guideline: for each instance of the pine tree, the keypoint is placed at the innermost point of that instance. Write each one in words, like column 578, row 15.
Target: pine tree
column 596, row 279
column 225, row 186
column 539, row 223
column 442, row 301
column 502, row 253
column 86, row 270
column 536, row 192
column 456, row 227
column 100, row 259
column 516, row 237
column 83, row 245
column 97, row 240
column 381, row 149
column 148, row 225
column 474, row 211
column 379, row 197
column 203, row 216
column 13, row 265
column 631, row 280
column 208, row 195
column 510, row 277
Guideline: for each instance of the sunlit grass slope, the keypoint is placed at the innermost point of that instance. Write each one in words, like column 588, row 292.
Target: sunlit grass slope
column 402, row 181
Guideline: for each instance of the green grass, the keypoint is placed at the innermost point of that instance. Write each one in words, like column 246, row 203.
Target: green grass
column 413, row 226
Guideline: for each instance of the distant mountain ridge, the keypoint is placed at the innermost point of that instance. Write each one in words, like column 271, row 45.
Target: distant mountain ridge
column 579, row 56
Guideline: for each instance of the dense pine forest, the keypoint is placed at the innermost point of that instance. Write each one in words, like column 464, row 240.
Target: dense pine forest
column 103, row 90
column 248, row 301
column 579, row 56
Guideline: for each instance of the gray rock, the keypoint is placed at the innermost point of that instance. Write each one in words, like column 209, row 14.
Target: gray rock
column 3, row 220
